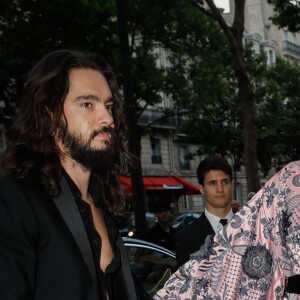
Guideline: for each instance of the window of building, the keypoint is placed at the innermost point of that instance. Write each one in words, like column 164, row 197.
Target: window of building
column 184, row 163
column 155, row 150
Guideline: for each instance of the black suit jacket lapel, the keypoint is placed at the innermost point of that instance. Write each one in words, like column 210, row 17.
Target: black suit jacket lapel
column 69, row 210
column 206, row 224
column 126, row 277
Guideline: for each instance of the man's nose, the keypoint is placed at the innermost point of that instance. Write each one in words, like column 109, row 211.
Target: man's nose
column 104, row 117
column 220, row 187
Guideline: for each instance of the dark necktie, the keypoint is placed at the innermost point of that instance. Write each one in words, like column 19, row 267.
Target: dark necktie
column 223, row 222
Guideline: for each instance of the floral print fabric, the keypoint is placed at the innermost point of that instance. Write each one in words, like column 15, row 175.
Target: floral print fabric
column 252, row 256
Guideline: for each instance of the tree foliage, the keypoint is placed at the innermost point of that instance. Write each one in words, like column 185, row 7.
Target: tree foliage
column 30, row 29
column 189, row 42
column 217, row 126
column 234, row 34
column 287, row 14
column 278, row 98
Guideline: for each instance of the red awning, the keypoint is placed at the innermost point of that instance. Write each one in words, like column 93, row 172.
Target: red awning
column 176, row 183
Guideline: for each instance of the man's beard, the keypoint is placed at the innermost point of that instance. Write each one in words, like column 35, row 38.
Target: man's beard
column 79, row 149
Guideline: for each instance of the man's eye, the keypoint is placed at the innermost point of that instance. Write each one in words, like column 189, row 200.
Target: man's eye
column 86, row 104
column 226, row 181
column 109, row 107
column 212, row 183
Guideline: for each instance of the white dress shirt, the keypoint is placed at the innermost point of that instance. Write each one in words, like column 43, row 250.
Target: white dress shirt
column 215, row 221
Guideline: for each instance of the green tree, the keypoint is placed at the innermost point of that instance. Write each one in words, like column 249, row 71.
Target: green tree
column 177, row 29
column 30, row 29
column 234, row 35
column 194, row 74
column 287, row 14
column 277, row 100
column 277, row 95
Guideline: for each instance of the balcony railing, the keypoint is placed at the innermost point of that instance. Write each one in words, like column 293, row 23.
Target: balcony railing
column 157, row 118
column 290, row 48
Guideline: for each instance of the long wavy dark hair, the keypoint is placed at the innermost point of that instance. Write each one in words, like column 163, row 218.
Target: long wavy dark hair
column 31, row 138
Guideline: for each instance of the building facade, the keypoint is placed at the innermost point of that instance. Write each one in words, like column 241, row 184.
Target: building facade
column 162, row 155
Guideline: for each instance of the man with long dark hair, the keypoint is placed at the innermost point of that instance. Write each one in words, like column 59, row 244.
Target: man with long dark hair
column 58, row 238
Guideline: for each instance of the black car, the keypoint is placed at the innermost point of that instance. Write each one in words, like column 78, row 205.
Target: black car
column 151, row 264
column 182, row 219
column 126, row 223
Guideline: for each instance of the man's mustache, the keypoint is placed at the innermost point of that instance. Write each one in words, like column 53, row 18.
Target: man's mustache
column 109, row 130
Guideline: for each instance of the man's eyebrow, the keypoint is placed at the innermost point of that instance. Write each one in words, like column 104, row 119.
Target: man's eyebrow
column 222, row 179
column 93, row 97
column 88, row 97
column 213, row 180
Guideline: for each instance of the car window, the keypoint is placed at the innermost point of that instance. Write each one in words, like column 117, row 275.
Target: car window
column 189, row 219
column 180, row 220
column 151, row 267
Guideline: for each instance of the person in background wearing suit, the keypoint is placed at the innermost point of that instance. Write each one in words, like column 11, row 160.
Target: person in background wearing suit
column 162, row 233
column 59, row 239
column 215, row 179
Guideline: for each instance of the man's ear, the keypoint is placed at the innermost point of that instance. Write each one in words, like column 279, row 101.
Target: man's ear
column 201, row 189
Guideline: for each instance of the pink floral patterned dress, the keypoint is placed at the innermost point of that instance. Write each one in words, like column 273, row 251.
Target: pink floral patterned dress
column 252, row 257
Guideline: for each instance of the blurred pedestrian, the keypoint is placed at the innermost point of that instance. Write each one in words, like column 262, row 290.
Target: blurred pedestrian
column 215, row 180
column 235, row 206
column 162, row 233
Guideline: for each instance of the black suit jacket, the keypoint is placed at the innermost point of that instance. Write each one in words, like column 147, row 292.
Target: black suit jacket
column 189, row 239
column 44, row 249
column 159, row 236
